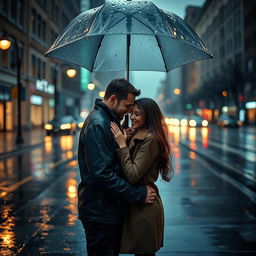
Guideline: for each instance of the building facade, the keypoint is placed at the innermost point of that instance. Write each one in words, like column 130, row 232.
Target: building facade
column 35, row 25
column 227, row 27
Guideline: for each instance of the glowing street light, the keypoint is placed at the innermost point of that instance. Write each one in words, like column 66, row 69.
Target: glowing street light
column 225, row 93
column 91, row 86
column 102, row 94
column 71, row 73
column 176, row 91
column 5, row 44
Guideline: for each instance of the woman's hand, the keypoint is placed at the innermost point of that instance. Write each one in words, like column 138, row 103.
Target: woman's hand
column 120, row 137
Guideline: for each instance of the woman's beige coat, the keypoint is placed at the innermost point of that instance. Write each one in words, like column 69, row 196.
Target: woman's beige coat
column 144, row 224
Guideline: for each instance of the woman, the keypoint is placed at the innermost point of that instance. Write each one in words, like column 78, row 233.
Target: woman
column 147, row 155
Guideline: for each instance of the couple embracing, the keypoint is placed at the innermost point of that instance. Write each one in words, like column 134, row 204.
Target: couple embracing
column 118, row 201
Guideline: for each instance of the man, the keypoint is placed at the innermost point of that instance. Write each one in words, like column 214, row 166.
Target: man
column 103, row 189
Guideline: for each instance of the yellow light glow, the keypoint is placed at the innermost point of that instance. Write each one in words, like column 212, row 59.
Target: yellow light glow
column 5, row 44
column 65, row 126
column 48, row 127
column 183, row 122
column 167, row 120
column 225, row 93
column 192, row 123
column 80, row 125
column 205, row 123
column 102, row 94
column 91, row 86
column 176, row 91
column 71, row 73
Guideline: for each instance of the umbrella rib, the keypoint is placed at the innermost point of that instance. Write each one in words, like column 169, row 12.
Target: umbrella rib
column 97, row 51
column 157, row 39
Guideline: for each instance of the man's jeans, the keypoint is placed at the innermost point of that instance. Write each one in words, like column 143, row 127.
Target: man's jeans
column 102, row 239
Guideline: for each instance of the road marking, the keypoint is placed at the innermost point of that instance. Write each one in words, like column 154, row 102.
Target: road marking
column 242, row 188
column 13, row 187
column 249, row 156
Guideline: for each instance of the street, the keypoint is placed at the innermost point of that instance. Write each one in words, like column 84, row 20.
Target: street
column 208, row 210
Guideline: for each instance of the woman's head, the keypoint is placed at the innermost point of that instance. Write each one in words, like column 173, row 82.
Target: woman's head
column 146, row 114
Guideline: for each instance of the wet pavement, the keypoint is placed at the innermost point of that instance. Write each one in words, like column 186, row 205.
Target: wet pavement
column 207, row 211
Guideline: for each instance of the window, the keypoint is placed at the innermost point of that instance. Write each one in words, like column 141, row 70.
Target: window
column 21, row 13
column 13, row 10
column 43, row 70
column 33, row 65
column 44, row 31
column 39, row 68
column 33, row 18
column 39, row 26
column 4, row 6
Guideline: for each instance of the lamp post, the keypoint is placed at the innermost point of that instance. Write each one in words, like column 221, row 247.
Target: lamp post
column 5, row 44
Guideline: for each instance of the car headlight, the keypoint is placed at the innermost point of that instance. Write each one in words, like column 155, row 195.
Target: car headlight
column 80, row 125
column 48, row 127
column 192, row 123
column 65, row 126
column 184, row 122
column 167, row 120
column 204, row 123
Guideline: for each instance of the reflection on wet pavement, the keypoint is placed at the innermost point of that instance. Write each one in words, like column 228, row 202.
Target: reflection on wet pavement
column 204, row 214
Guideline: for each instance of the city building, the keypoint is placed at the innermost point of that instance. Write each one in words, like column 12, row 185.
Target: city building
column 35, row 25
column 250, row 59
column 219, row 84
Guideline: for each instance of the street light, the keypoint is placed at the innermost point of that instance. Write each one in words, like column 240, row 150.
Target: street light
column 91, row 86
column 71, row 72
column 102, row 94
column 176, row 91
column 5, row 44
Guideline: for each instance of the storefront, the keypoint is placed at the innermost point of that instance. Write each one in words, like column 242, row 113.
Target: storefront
column 42, row 103
column 251, row 112
column 6, row 109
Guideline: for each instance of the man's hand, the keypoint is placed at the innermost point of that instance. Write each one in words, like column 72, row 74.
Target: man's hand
column 151, row 195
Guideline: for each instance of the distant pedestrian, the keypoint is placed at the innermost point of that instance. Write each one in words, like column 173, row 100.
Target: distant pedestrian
column 103, row 188
column 145, row 156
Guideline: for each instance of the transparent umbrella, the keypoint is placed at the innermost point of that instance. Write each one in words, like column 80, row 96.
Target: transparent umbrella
column 128, row 35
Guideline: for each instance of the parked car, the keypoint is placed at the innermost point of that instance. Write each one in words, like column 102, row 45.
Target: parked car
column 226, row 120
column 65, row 125
column 197, row 121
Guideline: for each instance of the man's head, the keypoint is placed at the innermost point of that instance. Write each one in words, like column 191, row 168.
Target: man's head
column 120, row 96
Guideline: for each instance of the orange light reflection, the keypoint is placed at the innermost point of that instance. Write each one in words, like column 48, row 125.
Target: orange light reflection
column 66, row 142
column 48, row 144
column 7, row 236
column 204, row 133
column 192, row 137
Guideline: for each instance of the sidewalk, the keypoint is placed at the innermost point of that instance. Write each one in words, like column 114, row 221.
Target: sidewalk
column 32, row 138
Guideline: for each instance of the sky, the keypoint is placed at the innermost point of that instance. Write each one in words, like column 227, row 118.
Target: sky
column 149, row 81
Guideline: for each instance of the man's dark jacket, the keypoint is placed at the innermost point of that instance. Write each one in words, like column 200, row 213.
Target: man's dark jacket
column 103, row 189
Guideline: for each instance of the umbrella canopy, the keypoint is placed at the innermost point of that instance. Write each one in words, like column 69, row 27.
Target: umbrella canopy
column 128, row 35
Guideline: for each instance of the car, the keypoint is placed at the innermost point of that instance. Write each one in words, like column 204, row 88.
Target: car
column 66, row 125
column 197, row 121
column 226, row 120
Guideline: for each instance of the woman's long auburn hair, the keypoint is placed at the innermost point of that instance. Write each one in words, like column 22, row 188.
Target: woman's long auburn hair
column 154, row 122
